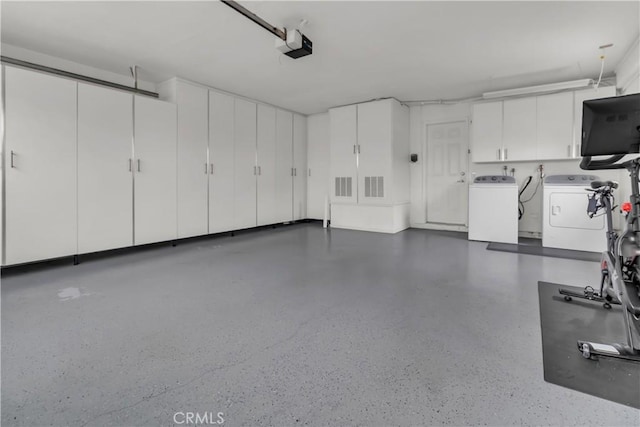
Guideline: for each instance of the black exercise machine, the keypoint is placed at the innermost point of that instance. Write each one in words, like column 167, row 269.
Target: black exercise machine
column 611, row 127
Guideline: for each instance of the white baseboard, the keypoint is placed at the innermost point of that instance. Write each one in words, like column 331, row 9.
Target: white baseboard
column 443, row 227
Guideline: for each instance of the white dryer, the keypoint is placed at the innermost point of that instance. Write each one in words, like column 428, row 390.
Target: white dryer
column 493, row 209
column 565, row 223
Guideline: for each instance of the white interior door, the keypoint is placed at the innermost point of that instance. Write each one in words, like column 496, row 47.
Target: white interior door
column 446, row 174
column 267, row 207
column 155, row 147
column 222, row 162
column 245, row 164
column 284, row 165
column 193, row 170
column 105, row 181
column 299, row 167
column 40, row 166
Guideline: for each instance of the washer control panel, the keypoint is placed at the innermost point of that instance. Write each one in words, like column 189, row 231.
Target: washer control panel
column 494, row 179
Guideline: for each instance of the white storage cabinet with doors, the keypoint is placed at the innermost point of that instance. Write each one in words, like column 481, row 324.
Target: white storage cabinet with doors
column 105, row 168
column 87, row 169
column 155, row 136
column 370, row 166
column 318, row 187
column 240, row 163
column 40, row 207
column 543, row 127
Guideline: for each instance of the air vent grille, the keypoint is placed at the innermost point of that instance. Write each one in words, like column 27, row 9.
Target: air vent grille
column 373, row 186
column 343, row 186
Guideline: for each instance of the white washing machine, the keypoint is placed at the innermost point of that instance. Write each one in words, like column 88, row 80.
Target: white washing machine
column 493, row 209
column 565, row 223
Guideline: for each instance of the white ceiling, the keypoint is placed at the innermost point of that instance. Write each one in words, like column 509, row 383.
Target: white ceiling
column 419, row 50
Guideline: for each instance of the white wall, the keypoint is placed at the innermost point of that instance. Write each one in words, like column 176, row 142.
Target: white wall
column 628, row 70
column 531, row 223
column 73, row 67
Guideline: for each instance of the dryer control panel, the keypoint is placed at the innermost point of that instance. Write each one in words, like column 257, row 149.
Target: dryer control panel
column 570, row 179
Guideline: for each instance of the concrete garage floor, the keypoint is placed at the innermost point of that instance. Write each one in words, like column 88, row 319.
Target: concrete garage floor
column 291, row 326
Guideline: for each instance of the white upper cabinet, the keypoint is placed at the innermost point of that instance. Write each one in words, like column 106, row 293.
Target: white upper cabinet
column 40, row 166
column 299, row 167
column 579, row 97
column 343, row 151
column 487, row 132
column 284, row 165
column 105, row 183
column 266, row 155
column 222, row 162
column 555, row 125
column 193, row 168
column 543, row 127
column 245, row 164
column 155, row 170
column 519, row 129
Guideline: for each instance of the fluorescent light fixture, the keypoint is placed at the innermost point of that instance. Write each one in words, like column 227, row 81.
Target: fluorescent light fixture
column 553, row 87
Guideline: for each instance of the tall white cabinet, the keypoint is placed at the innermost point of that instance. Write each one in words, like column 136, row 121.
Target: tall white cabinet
column 155, row 136
column 318, row 164
column 267, row 212
column 370, row 166
column 299, row 167
column 105, row 168
column 40, row 166
column 246, row 169
column 284, row 165
column 343, row 149
column 193, row 167
column 221, row 158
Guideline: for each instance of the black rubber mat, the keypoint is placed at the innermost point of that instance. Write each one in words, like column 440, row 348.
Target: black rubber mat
column 563, row 324
column 541, row 251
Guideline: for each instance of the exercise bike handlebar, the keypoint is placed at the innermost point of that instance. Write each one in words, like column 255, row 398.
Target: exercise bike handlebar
column 598, row 184
column 609, row 163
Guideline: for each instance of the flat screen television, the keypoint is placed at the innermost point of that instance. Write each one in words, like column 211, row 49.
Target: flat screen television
column 611, row 126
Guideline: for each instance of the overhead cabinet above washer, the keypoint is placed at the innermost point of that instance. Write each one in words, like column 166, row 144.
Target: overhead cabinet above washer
column 543, row 127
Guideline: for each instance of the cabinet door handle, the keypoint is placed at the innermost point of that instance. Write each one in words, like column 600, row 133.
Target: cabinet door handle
column 254, row 170
column 259, row 170
column 138, row 165
column 13, row 154
column 291, row 171
column 130, row 165
column 211, row 169
column 505, row 154
column 358, row 148
column 499, row 155
column 309, row 171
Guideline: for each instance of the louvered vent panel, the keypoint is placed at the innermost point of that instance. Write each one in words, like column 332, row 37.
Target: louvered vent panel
column 343, row 186
column 373, row 186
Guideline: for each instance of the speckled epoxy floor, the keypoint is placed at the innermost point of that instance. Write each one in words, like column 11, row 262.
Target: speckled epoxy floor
column 292, row 326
